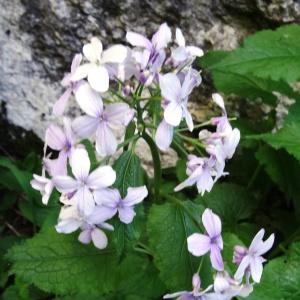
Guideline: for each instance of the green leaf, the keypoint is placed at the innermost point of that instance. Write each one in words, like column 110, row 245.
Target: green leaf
column 168, row 227
column 130, row 174
column 283, row 169
column 266, row 54
column 289, row 136
column 280, row 278
column 59, row 264
column 231, row 202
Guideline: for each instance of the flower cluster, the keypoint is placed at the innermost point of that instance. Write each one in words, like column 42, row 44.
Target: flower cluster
column 146, row 85
column 249, row 262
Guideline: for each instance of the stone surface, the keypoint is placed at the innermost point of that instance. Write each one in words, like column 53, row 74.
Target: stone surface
column 39, row 37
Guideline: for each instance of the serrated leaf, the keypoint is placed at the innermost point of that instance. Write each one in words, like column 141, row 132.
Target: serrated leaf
column 168, row 227
column 129, row 174
column 59, row 264
column 266, row 54
column 280, row 278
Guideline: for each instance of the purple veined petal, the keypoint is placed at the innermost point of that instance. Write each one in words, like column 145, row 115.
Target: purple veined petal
column 266, row 245
column 99, row 238
column 188, row 85
column 231, row 143
column 57, row 166
column 188, row 118
column 179, row 54
column 107, row 197
column 170, row 87
column 205, row 182
column 101, row 214
column 216, row 258
column 157, row 64
column 85, row 126
column 138, row 40
column 98, row 78
column 135, row 195
column 192, row 179
column 88, row 100
column 118, row 114
column 55, row 138
column 198, row 244
column 218, row 99
column 145, row 58
column 212, row 223
column 115, row 54
column 164, row 135
column 81, row 72
column 61, row 103
column 65, row 184
column 219, row 242
column 68, row 131
column 180, row 40
column 93, row 50
column 106, row 143
column 126, row 214
column 162, row 37
column 76, row 62
column 48, row 190
column 84, row 200
column 256, row 268
column 85, row 236
column 257, row 241
column 194, row 51
column 68, row 225
column 173, row 114
column 102, row 177
column 242, row 268
column 176, row 295
column 80, row 164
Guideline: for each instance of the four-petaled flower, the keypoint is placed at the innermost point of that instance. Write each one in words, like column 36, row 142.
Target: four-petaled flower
column 112, row 202
column 199, row 244
column 252, row 262
column 96, row 70
column 84, row 183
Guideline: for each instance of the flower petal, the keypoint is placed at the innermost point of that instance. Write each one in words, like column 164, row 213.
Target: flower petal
column 135, row 195
column 107, row 197
column 101, row 214
column 85, row 126
column 266, row 245
column 173, row 114
column 162, row 37
column 106, row 143
column 80, row 164
column 198, row 244
column 55, row 138
column 99, row 238
column 118, row 114
column 65, row 184
column 216, row 258
column 93, row 50
column 76, row 62
column 218, row 99
column 85, row 236
column 138, row 40
column 84, row 200
column 67, row 226
column 164, row 135
column 101, row 178
column 256, row 268
column 61, row 103
column 126, row 214
column 81, row 72
column 89, row 101
column 212, row 223
column 115, row 54
column 257, row 241
column 242, row 268
column 98, row 78
column 180, row 40
column 170, row 87
column 194, row 51
column 188, row 118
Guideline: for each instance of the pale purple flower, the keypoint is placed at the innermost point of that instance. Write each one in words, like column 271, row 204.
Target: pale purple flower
column 153, row 55
column 164, row 135
column 183, row 53
column 70, row 85
column 202, row 172
column 176, row 98
column 112, row 202
column 84, row 184
column 70, row 220
column 96, row 69
column 63, row 141
column 252, row 262
column 199, row 244
column 100, row 120
column 195, row 294
column 44, row 185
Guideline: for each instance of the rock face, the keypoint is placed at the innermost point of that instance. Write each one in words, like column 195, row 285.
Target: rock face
column 39, row 38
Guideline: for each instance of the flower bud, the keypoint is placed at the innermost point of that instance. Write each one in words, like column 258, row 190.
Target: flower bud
column 238, row 254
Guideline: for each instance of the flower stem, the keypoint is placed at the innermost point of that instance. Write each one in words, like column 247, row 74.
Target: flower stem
column 200, row 265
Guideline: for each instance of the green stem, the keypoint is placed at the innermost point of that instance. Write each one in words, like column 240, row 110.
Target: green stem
column 254, row 176
column 200, row 265
column 191, row 140
column 156, row 163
